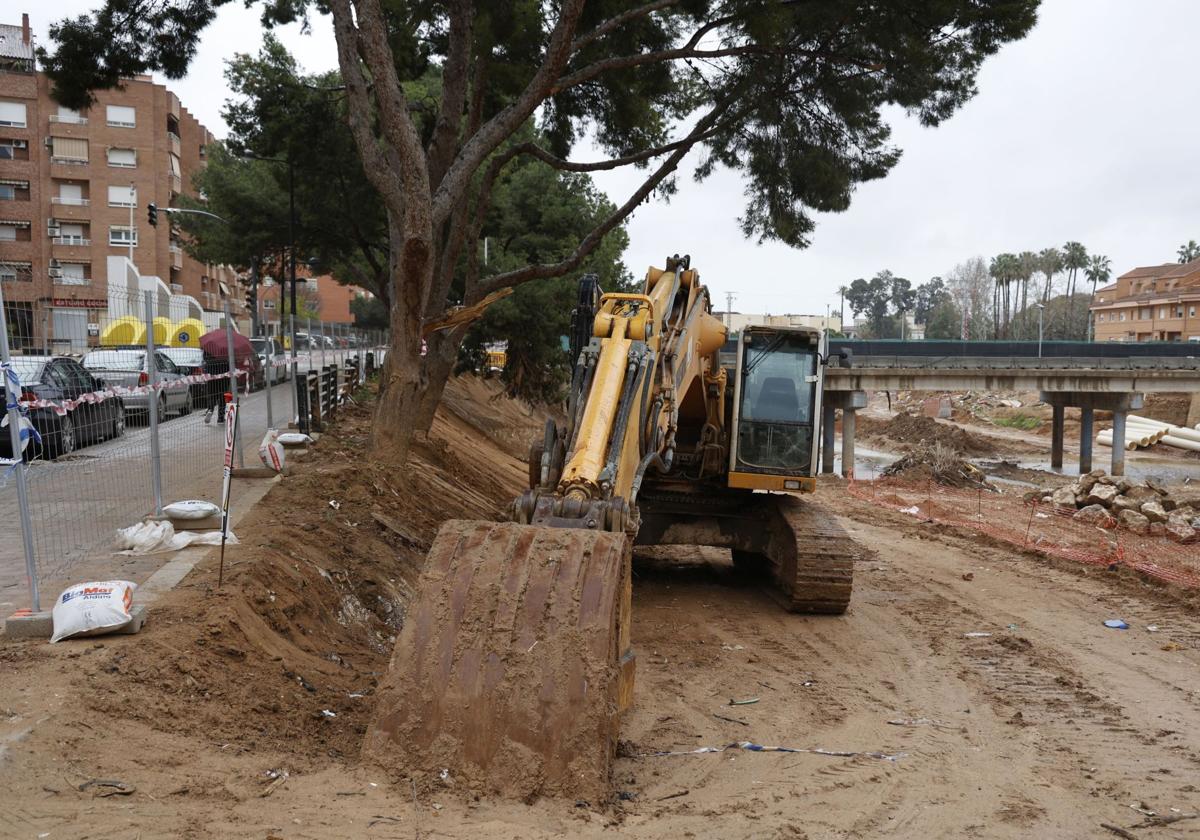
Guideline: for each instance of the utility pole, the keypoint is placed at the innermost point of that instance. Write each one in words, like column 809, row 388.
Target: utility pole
column 729, row 296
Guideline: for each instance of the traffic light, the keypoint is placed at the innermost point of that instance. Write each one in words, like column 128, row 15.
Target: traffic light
column 252, row 297
column 152, row 213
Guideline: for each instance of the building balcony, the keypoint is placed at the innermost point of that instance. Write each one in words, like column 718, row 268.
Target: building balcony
column 69, row 202
column 175, row 143
column 72, row 241
column 176, row 288
column 60, row 128
column 176, row 254
column 176, row 185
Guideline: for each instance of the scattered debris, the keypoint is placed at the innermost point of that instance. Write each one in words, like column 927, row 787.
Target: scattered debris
column 968, row 576
column 329, row 713
column 335, row 504
column 1116, row 624
column 1116, row 502
column 750, row 701
column 1117, row 830
column 937, row 724
column 108, row 787
column 977, row 635
column 673, row 795
column 940, row 463
column 750, row 746
column 731, row 720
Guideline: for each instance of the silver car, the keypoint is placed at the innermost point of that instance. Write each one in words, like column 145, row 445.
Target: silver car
column 127, row 368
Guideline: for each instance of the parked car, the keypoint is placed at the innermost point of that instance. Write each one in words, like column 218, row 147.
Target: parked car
column 190, row 362
column 127, row 368
column 270, row 351
column 59, row 378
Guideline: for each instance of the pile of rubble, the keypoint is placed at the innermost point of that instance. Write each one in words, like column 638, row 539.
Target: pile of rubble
column 939, row 462
column 1140, row 507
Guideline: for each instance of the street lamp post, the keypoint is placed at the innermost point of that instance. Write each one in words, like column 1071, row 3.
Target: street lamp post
column 1041, row 311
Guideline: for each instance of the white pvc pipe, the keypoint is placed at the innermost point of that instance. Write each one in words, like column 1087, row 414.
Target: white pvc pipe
column 1181, row 443
column 1105, row 439
column 1165, row 428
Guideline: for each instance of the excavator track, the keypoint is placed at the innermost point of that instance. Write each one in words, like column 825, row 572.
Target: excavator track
column 513, row 664
column 812, row 558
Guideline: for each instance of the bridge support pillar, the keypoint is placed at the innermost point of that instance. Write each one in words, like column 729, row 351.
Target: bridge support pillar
column 1118, row 444
column 1088, row 402
column 1056, row 436
column 849, row 402
column 1085, row 440
column 827, row 436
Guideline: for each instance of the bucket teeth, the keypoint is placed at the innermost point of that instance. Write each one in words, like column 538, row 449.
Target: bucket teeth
column 512, row 664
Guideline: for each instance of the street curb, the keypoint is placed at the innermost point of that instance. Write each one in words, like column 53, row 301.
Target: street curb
column 40, row 625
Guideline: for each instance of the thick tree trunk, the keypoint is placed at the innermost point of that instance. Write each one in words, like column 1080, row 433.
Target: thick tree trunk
column 439, row 364
column 403, row 382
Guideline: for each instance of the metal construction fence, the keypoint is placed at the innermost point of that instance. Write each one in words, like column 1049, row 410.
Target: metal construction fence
column 115, row 420
column 1036, row 526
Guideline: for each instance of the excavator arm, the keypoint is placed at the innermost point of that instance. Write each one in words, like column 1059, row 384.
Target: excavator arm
column 515, row 659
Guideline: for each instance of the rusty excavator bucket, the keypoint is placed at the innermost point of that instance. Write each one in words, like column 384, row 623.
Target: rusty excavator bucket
column 513, row 664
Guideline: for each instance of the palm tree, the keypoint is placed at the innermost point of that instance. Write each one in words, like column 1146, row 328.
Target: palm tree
column 1027, row 264
column 842, row 290
column 1075, row 258
column 1050, row 262
column 1098, row 270
column 1189, row 252
column 1004, row 269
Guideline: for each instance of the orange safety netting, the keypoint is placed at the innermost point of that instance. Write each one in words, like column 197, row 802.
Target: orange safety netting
column 1036, row 526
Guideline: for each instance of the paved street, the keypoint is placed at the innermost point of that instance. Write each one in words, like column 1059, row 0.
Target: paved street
column 79, row 501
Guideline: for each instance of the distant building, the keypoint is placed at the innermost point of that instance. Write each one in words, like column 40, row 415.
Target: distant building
column 324, row 295
column 1150, row 303
column 736, row 321
column 74, row 188
column 912, row 330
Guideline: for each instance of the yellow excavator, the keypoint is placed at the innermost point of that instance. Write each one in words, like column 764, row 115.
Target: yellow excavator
column 515, row 661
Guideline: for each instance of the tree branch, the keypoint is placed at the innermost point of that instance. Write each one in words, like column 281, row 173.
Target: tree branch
column 454, row 91
column 593, row 239
column 617, row 21
column 476, row 150
column 534, row 150
column 375, row 163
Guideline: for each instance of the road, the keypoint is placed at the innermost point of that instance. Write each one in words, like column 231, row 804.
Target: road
column 79, row 501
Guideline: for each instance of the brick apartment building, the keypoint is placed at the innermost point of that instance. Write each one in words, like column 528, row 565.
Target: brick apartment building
column 324, row 296
column 70, row 182
column 1150, row 303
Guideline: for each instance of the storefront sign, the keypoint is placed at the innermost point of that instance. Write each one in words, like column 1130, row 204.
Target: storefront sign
column 81, row 303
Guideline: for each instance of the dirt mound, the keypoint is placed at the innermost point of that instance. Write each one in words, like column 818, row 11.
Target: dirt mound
column 512, row 424
column 287, row 654
column 907, row 431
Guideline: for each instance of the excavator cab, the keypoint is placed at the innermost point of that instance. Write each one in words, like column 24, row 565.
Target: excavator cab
column 776, row 408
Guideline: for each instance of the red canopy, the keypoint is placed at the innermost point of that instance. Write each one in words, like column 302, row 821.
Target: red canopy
column 216, row 343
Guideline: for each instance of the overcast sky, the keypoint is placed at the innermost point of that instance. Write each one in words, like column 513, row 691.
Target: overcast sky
column 1088, row 129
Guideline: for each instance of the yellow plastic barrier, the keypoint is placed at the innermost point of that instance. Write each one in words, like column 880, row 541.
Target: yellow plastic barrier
column 124, row 330
column 187, row 333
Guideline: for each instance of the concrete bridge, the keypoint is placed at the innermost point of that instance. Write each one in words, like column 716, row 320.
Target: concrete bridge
column 1106, row 377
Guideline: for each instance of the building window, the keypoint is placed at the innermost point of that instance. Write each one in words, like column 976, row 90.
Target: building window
column 71, row 194
column 68, row 234
column 13, row 231
column 122, row 157
column 1178, row 311
column 122, row 116
column 1122, row 316
column 68, row 150
column 16, row 272
column 14, row 190
column 12, row 113
column 122, row 235
column 122, row 196
column 13, row 149
column 1191, row 312
column 1101, row 317
column 73, row 274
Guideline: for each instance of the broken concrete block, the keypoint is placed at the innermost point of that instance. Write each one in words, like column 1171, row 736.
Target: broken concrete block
column 1097, row 473
column 1180, row 532
column 1133, row 521
column 1086, row 483
column 1063, row 497
column 1106, row 479
column 1096, row 515
column 1102, row 494
column 1124, row 484
column 1141, row 493
column 1154, row 512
